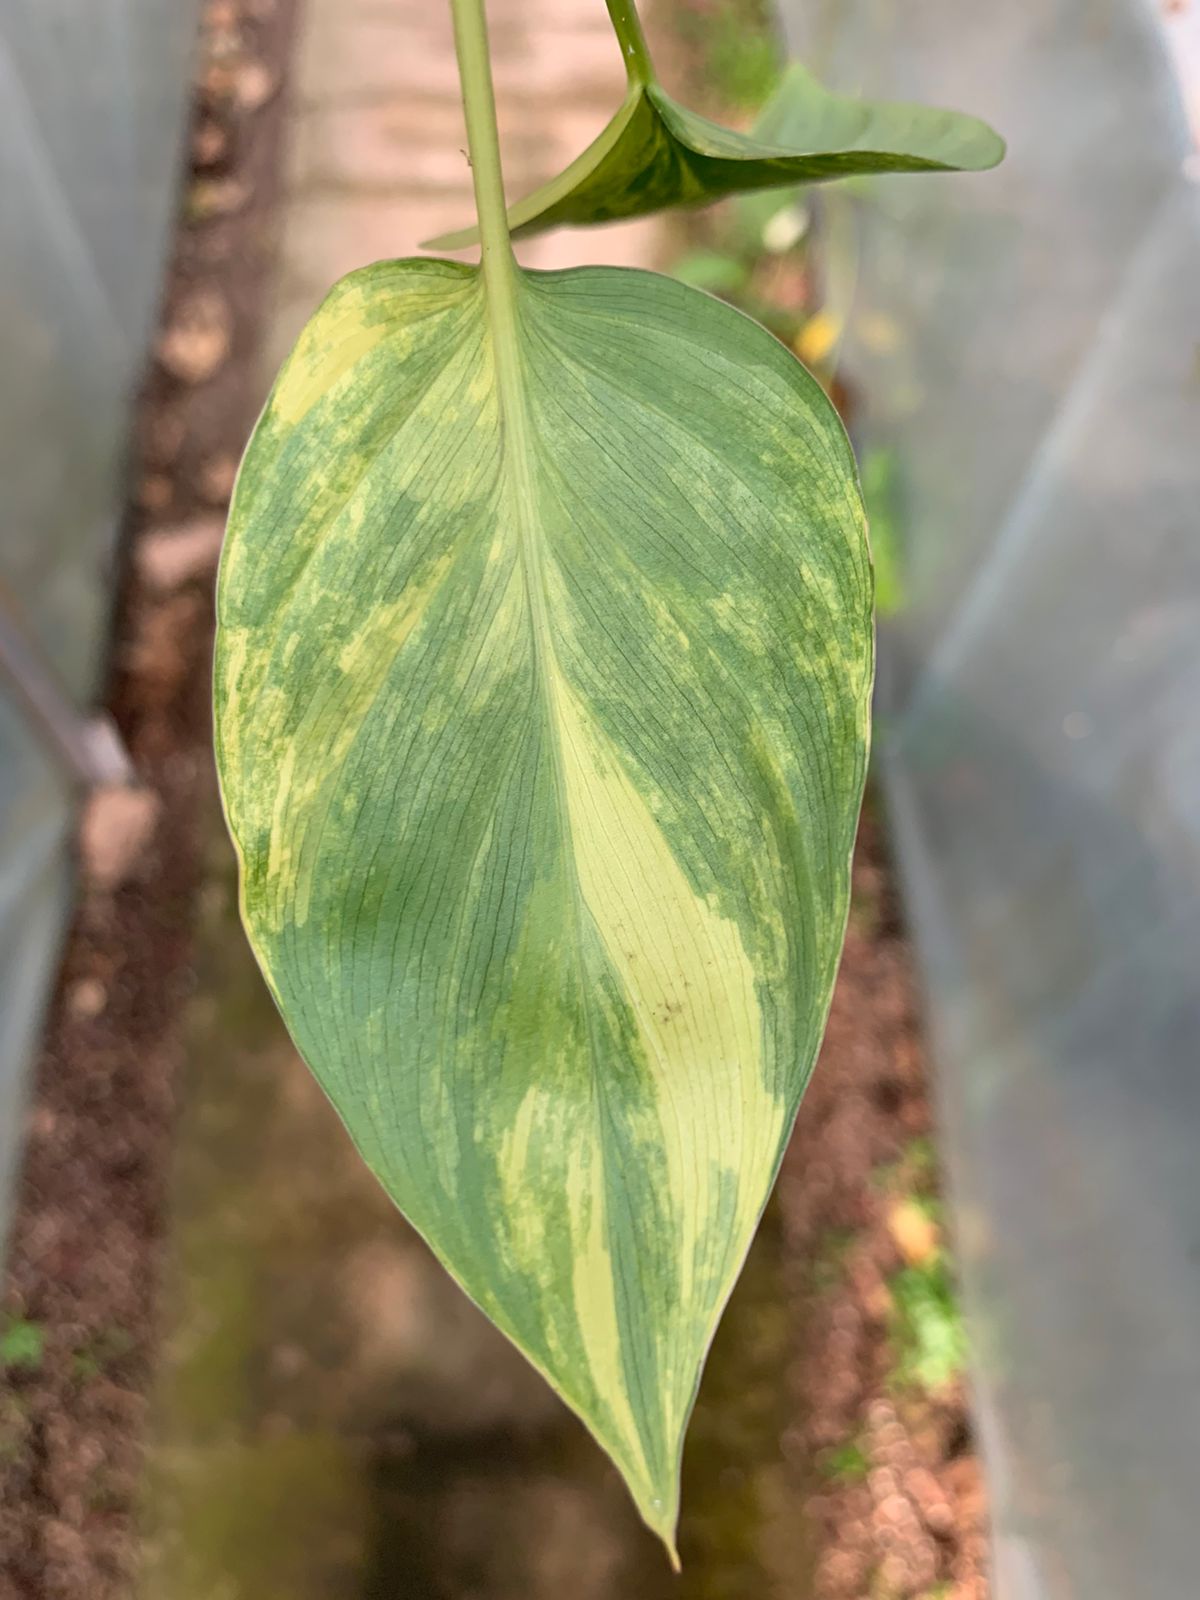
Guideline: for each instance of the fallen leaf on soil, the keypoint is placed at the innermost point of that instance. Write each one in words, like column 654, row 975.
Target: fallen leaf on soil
column 915, row 1232
column 818, row 338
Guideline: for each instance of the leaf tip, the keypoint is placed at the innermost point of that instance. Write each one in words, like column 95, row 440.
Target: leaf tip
column 664, row 1525
column 660, row 1513
column 993, row 148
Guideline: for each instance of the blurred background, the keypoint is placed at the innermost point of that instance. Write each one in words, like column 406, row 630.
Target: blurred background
column 964, row 1359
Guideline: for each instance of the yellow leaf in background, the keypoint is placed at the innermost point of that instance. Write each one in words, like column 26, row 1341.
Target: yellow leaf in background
column 818, row 337
column 915, row 1232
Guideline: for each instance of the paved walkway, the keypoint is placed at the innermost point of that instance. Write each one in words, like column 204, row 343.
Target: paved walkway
column 378, row 162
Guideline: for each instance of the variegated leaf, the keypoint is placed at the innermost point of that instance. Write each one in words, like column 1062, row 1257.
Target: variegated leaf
column 542, row 690
column 656, row 154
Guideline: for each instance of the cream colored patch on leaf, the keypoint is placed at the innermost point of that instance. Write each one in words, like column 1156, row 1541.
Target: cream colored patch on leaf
column 595, row 1300
column 691, row 990
column 317, row 364
column 235, row 649
column 364, row 663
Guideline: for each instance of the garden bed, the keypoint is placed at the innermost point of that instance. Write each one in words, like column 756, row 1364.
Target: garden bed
column 895, row 1495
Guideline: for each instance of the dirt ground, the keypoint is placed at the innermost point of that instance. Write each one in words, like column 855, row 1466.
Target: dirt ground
column 895, row 1497
column 896, row 1501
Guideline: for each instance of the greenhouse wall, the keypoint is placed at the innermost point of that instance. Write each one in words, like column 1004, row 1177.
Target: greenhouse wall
column 92, row 103
column 1025, row 355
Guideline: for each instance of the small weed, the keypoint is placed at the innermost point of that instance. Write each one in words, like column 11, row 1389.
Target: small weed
column 844, row 1463
column 22, row 1346
column 928, row 1338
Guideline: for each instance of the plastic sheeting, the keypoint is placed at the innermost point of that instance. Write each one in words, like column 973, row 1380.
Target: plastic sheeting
column 1027, row 346
column 91, row 113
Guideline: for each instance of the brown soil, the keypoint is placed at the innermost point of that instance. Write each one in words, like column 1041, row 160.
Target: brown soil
column 83, row 1257
column 897, row 1501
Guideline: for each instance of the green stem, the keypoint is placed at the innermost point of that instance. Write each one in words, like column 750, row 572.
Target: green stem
column 483, row 141
column 634, row 49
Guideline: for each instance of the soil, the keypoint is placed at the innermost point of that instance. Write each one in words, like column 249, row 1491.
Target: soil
column 894, row 1498
column 83, row 1260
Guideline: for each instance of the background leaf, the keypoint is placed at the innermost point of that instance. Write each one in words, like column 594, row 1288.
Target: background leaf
column 542, row 706
column 655, row 154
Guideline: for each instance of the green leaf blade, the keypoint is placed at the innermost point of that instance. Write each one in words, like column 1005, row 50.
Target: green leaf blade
column 542, row 742
column 807, row 134
column 655, row 154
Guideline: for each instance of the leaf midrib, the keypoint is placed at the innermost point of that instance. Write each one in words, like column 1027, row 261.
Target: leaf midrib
column 501, row 304
column 516, row 457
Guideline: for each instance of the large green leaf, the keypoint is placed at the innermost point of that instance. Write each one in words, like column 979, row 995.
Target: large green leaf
column 655, row 154
column 542, row 689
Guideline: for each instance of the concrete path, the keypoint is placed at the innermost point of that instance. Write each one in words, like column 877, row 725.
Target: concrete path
column 377, row 161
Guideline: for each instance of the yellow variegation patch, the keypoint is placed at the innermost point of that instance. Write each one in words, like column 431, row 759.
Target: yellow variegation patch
column 542, row 687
